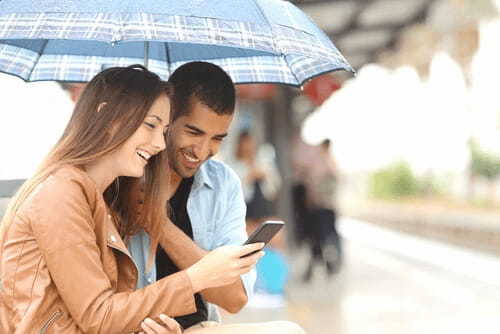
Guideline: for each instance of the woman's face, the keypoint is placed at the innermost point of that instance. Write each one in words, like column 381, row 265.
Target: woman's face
column 148, row 140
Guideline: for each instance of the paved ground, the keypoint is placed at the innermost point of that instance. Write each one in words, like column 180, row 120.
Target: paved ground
column 460, row 224
column 383, row 290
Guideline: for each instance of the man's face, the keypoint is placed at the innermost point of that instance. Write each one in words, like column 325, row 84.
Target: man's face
column 195, row 138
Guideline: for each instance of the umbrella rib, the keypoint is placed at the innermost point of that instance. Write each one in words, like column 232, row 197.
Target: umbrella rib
column 299, row 84
column 275, row 44
column 146, row 54
column 46, row 41
column 268, row 23
column 167, row 60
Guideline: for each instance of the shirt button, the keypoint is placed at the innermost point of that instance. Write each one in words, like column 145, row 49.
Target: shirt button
column 112, row 238
column 150, row 280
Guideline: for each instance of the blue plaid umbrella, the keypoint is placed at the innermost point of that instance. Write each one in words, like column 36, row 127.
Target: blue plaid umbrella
column 253, row 40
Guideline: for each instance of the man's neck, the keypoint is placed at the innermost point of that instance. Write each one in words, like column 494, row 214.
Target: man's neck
column 175, row 181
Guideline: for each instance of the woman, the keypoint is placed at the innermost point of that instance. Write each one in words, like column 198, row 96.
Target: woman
column 64, row 265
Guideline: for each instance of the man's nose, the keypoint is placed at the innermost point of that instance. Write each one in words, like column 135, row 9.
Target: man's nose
column 202, row 149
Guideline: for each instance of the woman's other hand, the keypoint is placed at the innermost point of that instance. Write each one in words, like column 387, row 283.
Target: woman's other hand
column 168, row 326
column 223, row 265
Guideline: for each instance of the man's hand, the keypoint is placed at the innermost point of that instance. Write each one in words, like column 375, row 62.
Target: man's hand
column 185, row 253
column 169, row 326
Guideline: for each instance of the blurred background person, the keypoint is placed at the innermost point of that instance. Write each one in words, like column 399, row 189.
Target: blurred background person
column 317, row 210
column 259, row 177
column 74, row 89
column 301, row 155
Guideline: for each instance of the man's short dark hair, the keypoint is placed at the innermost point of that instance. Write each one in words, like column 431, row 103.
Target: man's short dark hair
column 203, row 82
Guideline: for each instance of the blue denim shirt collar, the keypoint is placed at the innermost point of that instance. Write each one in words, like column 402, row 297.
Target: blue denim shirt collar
column 202, row 178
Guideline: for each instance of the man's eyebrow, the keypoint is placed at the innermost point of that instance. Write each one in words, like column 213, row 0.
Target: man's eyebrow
column 194, row 128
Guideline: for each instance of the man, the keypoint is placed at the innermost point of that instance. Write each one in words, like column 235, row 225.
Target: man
column 206, row 203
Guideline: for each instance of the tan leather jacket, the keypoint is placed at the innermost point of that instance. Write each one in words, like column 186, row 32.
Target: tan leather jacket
column 65, row 269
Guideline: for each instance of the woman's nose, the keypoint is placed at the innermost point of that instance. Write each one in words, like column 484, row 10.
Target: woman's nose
column 159, row 141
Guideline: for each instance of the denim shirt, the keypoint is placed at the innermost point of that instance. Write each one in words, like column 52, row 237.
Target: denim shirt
column 217, row 209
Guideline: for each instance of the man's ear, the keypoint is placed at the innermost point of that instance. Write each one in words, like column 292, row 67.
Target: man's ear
column 101, row 105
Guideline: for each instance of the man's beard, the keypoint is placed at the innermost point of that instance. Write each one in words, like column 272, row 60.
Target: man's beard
column 175, row 164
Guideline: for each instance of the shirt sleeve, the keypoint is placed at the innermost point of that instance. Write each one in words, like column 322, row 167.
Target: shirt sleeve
column 231, row 230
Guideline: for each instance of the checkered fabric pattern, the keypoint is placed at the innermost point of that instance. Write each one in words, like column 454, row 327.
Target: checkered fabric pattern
column 292, row 56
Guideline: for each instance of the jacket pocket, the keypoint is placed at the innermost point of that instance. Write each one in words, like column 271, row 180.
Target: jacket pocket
column 50, row 322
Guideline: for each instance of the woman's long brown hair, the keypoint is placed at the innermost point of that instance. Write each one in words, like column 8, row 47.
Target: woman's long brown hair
column 111, row 108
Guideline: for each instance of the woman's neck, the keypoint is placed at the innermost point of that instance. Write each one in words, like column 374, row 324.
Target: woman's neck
column 101, row 174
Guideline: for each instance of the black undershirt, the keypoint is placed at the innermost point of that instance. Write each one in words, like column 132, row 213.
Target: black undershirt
column 165, row 266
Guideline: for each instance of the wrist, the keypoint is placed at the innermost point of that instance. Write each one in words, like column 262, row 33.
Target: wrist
column 171, row 230
column 193, row 275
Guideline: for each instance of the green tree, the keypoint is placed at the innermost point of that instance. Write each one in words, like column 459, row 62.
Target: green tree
column 483, row 163
column 394, row 181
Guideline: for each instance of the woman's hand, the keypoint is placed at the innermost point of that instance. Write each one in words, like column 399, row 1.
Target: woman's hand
column 223, row 266
column 169, row 326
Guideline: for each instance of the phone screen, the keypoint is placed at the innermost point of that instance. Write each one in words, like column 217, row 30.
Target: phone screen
column 265, row 232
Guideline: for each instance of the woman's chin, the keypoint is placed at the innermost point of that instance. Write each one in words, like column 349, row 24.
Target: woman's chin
column 135, row 173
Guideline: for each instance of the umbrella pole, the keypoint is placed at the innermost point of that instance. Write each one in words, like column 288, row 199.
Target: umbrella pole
column 146, row 54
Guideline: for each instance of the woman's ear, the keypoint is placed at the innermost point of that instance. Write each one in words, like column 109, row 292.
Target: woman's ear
column 101, row 105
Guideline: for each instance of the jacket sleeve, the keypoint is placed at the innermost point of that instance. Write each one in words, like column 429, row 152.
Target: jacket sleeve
column 64, row 230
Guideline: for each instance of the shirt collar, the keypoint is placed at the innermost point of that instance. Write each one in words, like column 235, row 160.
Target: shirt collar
column 202, row 178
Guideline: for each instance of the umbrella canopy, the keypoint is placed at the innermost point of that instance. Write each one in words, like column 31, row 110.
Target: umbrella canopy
column 253, row 40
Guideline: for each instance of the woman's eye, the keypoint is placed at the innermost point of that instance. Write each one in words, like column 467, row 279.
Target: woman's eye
column 152, row 126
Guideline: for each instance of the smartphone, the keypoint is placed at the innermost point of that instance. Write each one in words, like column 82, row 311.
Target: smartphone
column 264, row 233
